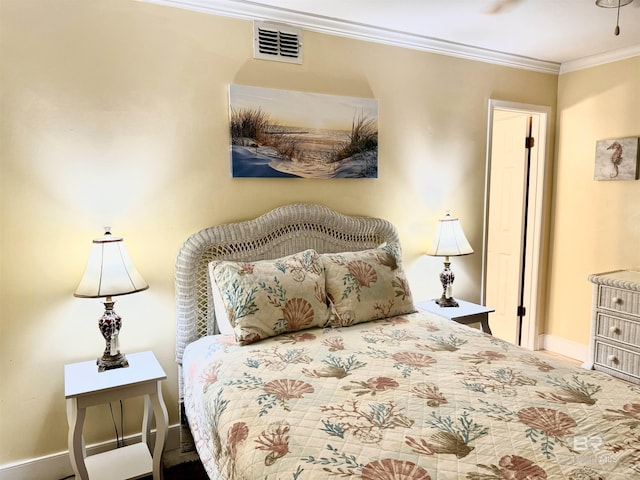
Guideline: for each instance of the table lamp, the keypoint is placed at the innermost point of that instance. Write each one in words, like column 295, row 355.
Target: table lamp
column 110, row 272
column 449, row 241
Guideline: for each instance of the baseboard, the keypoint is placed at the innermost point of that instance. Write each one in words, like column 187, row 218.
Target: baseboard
column 564, row 347
column 58, row 466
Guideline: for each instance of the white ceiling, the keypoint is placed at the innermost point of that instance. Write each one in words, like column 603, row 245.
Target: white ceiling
column 548, row 35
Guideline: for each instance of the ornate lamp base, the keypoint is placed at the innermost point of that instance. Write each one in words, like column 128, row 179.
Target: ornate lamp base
column 109, row 362
column 446, row 278
column 110, row 324
column 447, row 302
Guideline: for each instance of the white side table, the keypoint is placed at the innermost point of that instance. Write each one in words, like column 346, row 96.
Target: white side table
column 84, row 386
column 467, row 313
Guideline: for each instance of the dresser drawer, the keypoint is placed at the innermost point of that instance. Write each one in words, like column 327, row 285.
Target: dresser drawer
column 617, row 358
column 620, row 329
column 619, row 300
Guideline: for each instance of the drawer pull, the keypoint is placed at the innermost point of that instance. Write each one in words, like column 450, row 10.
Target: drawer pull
column 612, row 359
column 616, row 300
column 614, row 330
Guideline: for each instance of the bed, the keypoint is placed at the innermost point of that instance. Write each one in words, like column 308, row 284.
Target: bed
column 301, row 356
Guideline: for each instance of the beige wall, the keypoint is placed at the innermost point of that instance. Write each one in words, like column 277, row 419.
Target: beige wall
column 115, row 112
column 596, row 224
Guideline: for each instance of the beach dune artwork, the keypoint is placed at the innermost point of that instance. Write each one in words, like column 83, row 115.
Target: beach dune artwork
column 284, row 133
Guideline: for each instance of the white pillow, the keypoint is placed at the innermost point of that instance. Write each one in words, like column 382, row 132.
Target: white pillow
column 222, row 317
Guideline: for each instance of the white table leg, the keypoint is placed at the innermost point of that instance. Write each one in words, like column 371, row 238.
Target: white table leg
column 162, row 426
column 146, row 423
column 75, row 417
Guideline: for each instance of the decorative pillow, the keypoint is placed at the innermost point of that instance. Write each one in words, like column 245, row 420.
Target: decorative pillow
column 270, row 297
column 367, row 285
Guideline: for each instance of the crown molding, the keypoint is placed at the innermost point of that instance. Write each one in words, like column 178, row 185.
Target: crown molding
column 253, row 11
column 601, row 59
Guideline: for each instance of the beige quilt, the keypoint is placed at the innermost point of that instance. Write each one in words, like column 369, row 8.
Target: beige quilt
column 408, row 397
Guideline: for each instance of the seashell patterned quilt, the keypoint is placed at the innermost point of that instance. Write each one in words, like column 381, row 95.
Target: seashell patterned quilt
column 411, row 397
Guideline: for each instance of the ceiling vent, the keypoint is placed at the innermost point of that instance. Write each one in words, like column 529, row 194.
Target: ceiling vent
column 276, row 42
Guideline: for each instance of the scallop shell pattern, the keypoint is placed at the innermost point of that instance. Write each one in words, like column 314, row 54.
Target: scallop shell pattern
column 451, row 443
column 380, row 384
column 414, row 359
column 514, row 466
column 550, row 421
column 388, row 260
column 364, row 273
column 392, row 469
column 286, row 388
column 490, row 355
column 584, row 473
column 298, row 313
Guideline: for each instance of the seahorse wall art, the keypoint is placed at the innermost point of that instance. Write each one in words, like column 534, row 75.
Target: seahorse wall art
column 617, row 159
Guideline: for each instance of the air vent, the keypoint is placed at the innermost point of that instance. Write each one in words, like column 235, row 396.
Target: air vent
column 276, row 42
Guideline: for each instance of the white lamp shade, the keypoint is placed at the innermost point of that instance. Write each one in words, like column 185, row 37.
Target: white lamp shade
column 109, row 271
column 449, row 240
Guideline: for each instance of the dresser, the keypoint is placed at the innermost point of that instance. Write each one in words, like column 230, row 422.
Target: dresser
column 615, row 331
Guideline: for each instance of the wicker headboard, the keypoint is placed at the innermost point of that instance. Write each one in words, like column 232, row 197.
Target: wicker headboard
column 282, row 231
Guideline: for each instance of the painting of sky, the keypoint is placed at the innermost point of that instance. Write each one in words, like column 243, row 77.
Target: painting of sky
column 284, row 133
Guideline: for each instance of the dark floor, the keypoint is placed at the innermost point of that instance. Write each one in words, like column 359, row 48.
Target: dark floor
column 184, row 471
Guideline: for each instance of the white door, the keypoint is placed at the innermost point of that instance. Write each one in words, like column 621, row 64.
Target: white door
column 506, row 222
column 514, row 219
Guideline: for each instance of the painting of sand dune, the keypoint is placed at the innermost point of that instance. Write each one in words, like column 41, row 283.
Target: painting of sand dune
column 291, row 134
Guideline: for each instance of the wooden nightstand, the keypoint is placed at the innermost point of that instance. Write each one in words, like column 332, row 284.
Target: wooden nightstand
column 84, row 386
column 467, row 313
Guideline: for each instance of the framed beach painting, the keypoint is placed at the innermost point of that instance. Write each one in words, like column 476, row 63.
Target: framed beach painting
column 617, row 159
column 284, row 133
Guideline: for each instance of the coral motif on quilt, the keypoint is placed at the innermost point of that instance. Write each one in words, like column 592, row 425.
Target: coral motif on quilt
column 410, row 397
